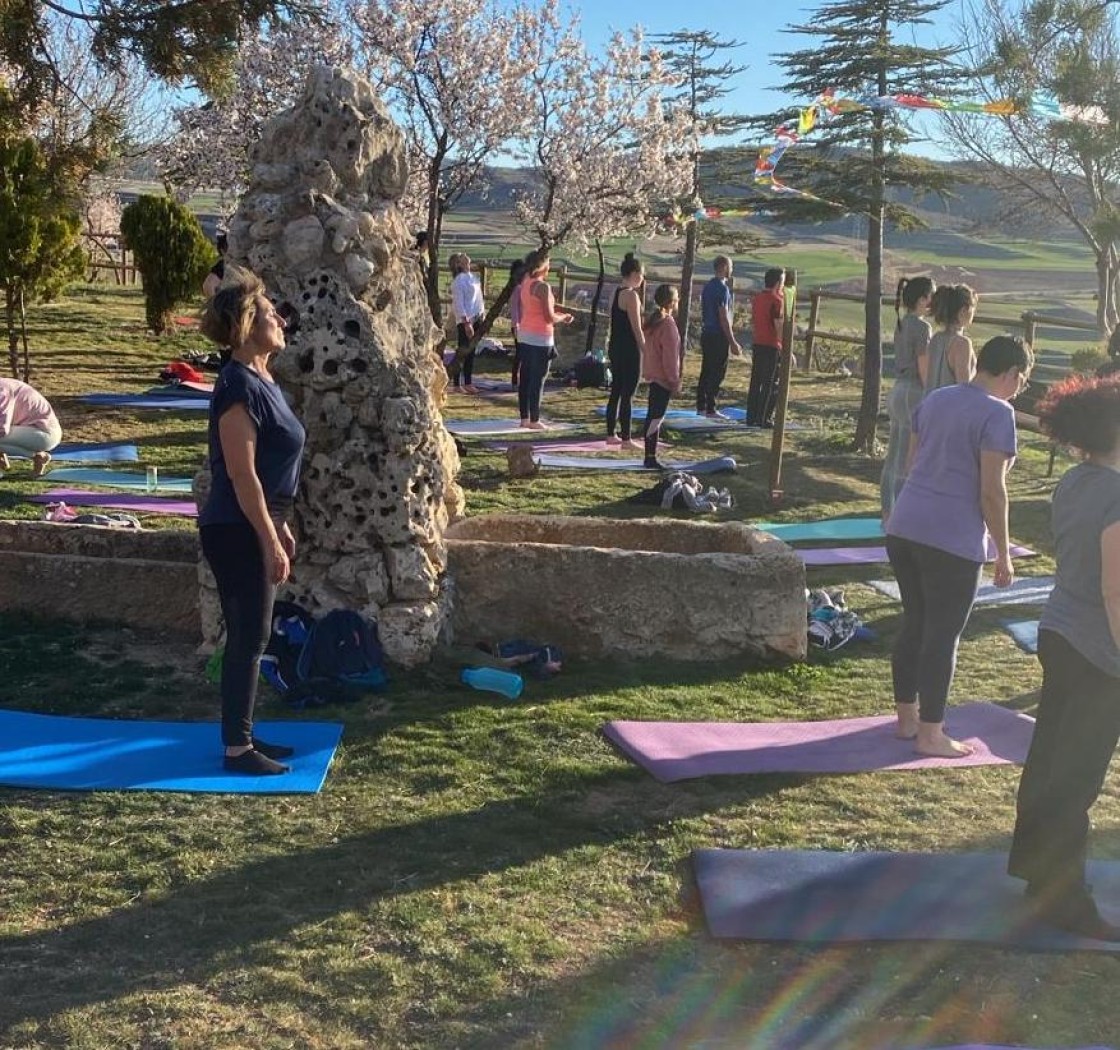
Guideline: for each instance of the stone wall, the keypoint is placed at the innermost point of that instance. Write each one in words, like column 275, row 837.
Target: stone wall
column 320, row 225
column 602, row 587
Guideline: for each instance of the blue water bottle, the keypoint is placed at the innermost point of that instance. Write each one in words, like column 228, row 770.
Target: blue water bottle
column 490, row 678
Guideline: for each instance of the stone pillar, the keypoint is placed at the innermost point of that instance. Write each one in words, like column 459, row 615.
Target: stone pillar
column 320, row 225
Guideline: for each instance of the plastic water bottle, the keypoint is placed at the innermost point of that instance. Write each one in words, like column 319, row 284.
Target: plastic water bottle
column 493, row 680
column 151, row 479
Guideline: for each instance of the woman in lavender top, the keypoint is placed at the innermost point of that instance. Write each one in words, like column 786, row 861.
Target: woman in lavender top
column 1078, row 721
column 952, row 506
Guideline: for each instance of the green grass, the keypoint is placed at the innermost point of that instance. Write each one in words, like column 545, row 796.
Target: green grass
column 486, row 874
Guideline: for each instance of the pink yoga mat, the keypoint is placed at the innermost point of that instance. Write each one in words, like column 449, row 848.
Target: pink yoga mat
column 867, row 555
column 682, row 750
column 140, row 502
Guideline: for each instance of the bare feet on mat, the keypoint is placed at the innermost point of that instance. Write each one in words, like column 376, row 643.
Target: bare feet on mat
column 629, row 445
column 932, row 742
column 611, row 439
column 538, row 425
column 39, row 463
column 907, row 728
column 5, row 463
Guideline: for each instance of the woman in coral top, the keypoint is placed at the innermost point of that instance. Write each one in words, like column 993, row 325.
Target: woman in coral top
column 537, row 320
column 661, row 366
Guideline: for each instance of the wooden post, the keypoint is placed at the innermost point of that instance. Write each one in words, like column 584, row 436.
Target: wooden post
column 483, row 274
column 777, row 443
column 562, row 297
column 1029, row 328
column 814, row 320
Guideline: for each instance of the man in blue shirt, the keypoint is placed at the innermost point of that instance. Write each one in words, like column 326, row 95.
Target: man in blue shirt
column 717, row 341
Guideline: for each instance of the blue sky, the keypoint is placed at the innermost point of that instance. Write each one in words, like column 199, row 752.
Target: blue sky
column 763, row 36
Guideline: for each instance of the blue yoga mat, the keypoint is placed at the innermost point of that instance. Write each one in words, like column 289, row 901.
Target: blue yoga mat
column 824, row 897
column 703, row 466
column 1025, row 633
column 117, row 479
column 95, row 452
column 832, row 529
column 102, row 754
column 734, row 413
column 180, row 404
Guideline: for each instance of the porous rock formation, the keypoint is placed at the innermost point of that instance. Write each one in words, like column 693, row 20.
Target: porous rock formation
column 321, row 226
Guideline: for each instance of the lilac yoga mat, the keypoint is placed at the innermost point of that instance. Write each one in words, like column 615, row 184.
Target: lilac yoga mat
column 683, row 750
column 824, row 897
column 865, row 555
column 139, row 503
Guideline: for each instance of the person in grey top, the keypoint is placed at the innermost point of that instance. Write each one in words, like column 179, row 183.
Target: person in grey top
column 950, row 358
column 911, row 338
column 1078, row 720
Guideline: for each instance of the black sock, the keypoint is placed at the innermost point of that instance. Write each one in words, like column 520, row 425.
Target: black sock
column 254, row 763
column 272, row 750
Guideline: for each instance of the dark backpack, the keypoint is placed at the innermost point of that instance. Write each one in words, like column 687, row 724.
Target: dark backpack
column 589, row 371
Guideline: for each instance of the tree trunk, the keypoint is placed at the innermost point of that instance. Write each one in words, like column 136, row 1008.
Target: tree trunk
column 13, row 334
column 26, row 377
column 1108, row 275
column 434, row 229
column 868, row 419
column 688, row 271
column 594, row 319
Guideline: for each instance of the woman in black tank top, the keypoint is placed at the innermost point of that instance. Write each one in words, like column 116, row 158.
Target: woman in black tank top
column 624, row 351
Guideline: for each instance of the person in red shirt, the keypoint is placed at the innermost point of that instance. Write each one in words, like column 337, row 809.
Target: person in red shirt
column 767, row 307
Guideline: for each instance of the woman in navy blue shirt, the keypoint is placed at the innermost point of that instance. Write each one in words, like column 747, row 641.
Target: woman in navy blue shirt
column 255, row 447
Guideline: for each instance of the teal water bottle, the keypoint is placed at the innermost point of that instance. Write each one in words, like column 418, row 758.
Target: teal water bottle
column 493, row 680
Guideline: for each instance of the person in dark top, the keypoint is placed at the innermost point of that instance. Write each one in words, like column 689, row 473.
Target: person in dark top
column 218, row 271
column 624, row 351
column 1078, row 719
column 717, row 341
column 767, row 308
column 255, row 448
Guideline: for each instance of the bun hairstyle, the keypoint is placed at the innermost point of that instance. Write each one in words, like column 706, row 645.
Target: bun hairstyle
column 631, row 264
column 663, row 298
column 232, row 310
column 910, row 292
column 455, row 263
column 949, row 300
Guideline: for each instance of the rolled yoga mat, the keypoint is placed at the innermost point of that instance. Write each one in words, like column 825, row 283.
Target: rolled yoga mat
column 179, row 404
column 673, row 751
column 1027, row 590
column 117, row 479
column 867, row 555
column 487, row 427
column 824, row 897
column 203, row 391
column 136, row 503
column 95, row 452
column 705, row 466
column 102, row 754
column 1025, row 633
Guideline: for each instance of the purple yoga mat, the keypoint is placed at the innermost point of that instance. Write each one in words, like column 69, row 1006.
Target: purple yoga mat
column 140, row 502
column 867, row 555
column 683, row 750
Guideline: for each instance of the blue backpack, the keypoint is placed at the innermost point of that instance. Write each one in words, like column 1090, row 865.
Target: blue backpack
column 334, row 659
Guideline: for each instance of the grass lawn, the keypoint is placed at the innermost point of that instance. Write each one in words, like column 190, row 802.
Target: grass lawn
column 484, row 874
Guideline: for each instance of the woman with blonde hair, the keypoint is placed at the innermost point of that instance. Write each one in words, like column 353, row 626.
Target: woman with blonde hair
column 255, row 448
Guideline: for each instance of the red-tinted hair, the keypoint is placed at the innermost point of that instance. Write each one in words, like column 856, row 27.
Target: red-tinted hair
column 1084, row 413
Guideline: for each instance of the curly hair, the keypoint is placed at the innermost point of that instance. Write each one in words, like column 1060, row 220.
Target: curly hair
column 232, row 310
column 1084, row 413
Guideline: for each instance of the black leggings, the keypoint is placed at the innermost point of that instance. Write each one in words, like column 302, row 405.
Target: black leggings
column 1075, row 734
column 246, row 594
column 655, row 415
column 531, row 375
column 937, row 590
column 626, row 370
column 464, row 363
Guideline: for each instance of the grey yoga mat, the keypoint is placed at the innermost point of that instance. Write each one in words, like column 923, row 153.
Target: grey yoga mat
column 824, row 897
column 1027, row 590
column 706, row 466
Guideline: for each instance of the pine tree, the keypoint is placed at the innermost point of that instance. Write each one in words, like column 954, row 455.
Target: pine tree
column 693, row 57
column 858, row 153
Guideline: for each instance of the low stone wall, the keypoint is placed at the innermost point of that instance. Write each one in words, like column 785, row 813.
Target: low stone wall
column 89, row 574
column 631, row 588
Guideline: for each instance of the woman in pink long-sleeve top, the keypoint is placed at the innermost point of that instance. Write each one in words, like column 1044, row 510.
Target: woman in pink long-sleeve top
column 661, row 366
column 28, row 425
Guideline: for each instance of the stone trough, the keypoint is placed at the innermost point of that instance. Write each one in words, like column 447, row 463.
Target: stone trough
column 627, row 588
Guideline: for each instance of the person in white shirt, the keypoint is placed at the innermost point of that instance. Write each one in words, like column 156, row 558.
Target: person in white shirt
column 468, row 307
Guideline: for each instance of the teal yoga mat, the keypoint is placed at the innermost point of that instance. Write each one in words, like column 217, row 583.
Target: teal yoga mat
column 830, row 529
column 96, row 452
column 100, row 754
column 116, row 479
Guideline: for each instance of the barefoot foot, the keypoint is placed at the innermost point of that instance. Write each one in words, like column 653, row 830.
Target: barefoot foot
column 5, row 463
column 936, row 744
column 39, row 463
column 907, row 727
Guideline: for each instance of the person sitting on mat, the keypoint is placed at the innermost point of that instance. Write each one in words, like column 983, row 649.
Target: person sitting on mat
column 625, row 346
column 255, row 447
column 661, row 366
column 954, row 499
column 28, row 426
column 1078, row 720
